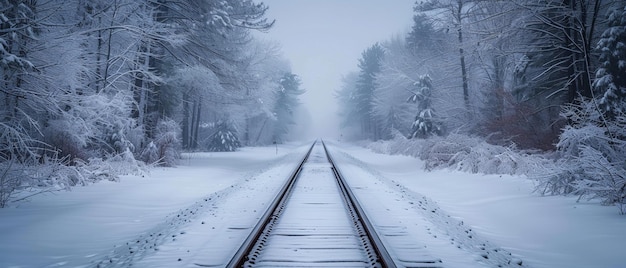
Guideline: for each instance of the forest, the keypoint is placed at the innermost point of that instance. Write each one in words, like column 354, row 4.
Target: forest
column 532, row 87
column 92, row 89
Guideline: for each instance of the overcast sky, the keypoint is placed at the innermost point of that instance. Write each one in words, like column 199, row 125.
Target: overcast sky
column 323, row 40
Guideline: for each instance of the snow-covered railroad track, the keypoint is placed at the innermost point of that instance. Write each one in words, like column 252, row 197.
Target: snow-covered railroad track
column 314, row 221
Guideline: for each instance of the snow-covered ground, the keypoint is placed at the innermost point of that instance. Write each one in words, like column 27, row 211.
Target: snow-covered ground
column 104, row 221
column 552, row 231
column 200, row 211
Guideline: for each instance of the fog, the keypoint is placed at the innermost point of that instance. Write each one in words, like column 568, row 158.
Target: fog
column 323, row 40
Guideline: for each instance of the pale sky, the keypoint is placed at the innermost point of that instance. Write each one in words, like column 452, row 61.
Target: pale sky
column 323, row 40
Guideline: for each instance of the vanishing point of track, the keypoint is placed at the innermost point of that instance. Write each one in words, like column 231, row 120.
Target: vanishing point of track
column 315, row 220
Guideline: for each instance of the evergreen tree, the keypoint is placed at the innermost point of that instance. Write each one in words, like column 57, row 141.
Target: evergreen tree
column 286, row 103
column 347, row 107
column 611, row 75
column 425, row 123
column 370, row 66
column 224, row 138
column 424, row 38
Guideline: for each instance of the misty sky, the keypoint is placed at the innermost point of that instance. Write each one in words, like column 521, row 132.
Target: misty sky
column 323, row 39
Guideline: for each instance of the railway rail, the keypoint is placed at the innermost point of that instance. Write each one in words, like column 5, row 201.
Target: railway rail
column 315, row 220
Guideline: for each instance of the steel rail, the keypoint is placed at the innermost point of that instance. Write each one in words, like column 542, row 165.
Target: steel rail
column 241, row 256
column 384, row 257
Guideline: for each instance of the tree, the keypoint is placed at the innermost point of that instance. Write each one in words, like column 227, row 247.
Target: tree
column 560, row 34
column 424, row 37
column 286, row 103
column 555, row 67
column 610, row 80
column 456, row 12
column 262, row 70
column 93, row 81
column 224, row 138
column 399, row 72
column 347, row 107
column 196, row 85
column 369, row 67
column 18, row 32
column 496, row 58
column 426, row 122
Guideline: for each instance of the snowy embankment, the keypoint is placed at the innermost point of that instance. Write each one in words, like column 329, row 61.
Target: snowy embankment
column 463, row 153
column 504, row 211
column 125, row 221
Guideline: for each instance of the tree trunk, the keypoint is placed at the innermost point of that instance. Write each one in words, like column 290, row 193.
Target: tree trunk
column 186, row 121
column 462, row 54
column 246, row 134
column 258, row 136
column 197, row 123
column 192, row 129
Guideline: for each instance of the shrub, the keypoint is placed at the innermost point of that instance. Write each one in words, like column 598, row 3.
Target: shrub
column 592, row 154
column 464, row 153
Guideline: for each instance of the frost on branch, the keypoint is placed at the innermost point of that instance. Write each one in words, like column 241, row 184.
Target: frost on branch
column 592, row 160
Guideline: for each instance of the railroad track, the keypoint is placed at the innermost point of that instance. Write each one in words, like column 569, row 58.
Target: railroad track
column 315, row 220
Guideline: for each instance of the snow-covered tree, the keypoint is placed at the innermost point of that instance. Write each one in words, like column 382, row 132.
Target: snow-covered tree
column 87, row 82
column 399, row 71
column 363, row 97
column 347, row 107
column 262, row 69
column 357, row 97
column 456, row 12
column 424, row 38
column 611, row 75
column 224, row 138
column 18, row 34
column 286, row 104
column 426, row 122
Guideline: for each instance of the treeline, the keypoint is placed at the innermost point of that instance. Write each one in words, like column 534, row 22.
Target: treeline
column 87, row 82
column 545, row 75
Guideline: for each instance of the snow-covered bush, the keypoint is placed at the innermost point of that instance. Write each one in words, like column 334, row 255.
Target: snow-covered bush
column 19, row 181
column 112, row 167
column 168, row 142
column 592, row 154
column 224, row 138
column 164, row 149
column 150, row 154
column 462, row 153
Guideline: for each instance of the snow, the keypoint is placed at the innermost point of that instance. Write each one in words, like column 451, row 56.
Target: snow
column 552, row 231
column 79, row 227
column 199, row 212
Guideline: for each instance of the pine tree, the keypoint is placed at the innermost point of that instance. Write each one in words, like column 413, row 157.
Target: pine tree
column 224, row 138
column 286, row 103
column 370, row 66
column 611, row 75
column 425, row 123
column 424, row 38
